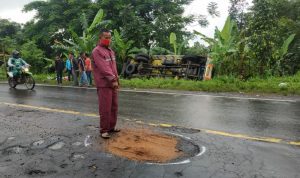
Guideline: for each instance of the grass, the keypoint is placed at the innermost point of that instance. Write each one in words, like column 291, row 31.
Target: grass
column 2, row 74
column 221, row 84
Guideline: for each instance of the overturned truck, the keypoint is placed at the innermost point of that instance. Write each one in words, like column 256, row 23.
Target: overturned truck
column 175, row 66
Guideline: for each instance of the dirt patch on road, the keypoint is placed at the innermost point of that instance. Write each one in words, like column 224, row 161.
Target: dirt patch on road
column 144, row 145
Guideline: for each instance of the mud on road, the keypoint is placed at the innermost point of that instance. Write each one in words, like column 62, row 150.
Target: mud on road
column 36, row 143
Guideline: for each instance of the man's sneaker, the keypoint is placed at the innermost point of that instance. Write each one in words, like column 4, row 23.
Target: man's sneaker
column 105, row 135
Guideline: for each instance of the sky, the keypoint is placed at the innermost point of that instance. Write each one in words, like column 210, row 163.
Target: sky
column 12, row 10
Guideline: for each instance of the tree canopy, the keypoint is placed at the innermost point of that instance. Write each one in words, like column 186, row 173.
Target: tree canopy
column 260, row 41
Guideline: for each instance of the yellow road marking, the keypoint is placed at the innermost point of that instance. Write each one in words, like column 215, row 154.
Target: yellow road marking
column 152, row 124
column 265, row 139
column 139, row 122
column 214, row 132
column 165, row 125
column 51, row 110
column 295, row 143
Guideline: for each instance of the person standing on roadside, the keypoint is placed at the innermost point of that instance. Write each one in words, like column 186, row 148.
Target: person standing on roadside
column 69, row 68
column 83, row 79
column 59, row 68
column 88, row 68
column 107, row 83
column 75, row 69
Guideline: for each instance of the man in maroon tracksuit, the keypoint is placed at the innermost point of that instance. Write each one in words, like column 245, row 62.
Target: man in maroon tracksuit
column 107, row 82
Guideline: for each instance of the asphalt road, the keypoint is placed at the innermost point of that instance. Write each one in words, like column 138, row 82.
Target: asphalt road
column 233, row 125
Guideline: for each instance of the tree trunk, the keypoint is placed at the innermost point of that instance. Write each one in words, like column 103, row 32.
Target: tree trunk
column 123, row 74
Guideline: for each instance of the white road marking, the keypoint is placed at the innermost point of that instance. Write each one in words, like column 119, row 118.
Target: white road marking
column 203, row 150
column 86, row 141
column 176, row 163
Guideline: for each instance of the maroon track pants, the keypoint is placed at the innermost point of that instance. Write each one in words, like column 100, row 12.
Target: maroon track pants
column 108, row 108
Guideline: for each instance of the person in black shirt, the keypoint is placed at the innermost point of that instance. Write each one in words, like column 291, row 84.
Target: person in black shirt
column 75, row 69
column 59, row 68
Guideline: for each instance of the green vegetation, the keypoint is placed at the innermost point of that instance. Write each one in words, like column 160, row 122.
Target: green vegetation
column 222, row 84
column 270, row 85
column 253, row 44
column 256, row 50
column 2, row 74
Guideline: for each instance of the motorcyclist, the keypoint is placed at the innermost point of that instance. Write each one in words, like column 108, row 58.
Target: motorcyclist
column 15, row 64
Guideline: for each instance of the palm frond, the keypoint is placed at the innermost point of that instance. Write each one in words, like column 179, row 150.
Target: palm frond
column 84, row 22
column 98, row 18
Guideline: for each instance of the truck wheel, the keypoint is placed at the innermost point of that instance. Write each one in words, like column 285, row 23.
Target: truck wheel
column 130, row 69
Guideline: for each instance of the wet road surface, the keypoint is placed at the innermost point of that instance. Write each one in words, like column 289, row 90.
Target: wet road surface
column 225, row 156
column 253, row 117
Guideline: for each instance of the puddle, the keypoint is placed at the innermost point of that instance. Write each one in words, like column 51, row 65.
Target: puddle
column 11, row 138
column 77, row 156
column 77, row 144
column 57, row 146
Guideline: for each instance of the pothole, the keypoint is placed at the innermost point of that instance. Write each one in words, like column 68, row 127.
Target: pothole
column 76, row 156
column 183, row 130
column 37, row 172
column 151, row 147
column 57, row 146
column 38, row 143
column 77, row 144
column 14, row 150
column 11, row 138
column 92, row 127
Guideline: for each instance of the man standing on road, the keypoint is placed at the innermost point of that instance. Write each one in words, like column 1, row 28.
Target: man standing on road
column 107, row 83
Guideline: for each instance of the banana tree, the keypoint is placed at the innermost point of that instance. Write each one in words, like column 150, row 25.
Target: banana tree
column 89, row 38
column 280, row 54
column 6, row 46
column 225, row 44
column 122, row 48
column 125, row 50
column 173, row 41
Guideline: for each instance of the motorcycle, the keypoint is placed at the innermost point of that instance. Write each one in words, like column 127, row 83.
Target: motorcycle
column 24, row 78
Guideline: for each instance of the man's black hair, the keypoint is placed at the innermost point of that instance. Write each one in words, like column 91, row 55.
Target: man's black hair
column 71, row 53
column 104, row 30
column 81, row 53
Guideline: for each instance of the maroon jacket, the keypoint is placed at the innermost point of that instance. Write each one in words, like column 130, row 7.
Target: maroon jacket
column 104, row 66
